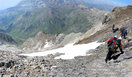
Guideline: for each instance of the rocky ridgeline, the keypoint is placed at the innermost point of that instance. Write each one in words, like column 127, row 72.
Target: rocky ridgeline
column 44, row 41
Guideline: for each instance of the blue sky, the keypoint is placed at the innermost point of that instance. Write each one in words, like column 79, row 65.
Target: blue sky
column 4, row 4
column 111, row 2
column 122, row 2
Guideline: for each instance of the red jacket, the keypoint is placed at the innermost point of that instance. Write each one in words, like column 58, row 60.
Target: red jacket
column 111, row 39
column 57, row 31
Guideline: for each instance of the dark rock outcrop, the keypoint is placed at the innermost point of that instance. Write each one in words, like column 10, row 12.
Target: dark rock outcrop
column 4, row 38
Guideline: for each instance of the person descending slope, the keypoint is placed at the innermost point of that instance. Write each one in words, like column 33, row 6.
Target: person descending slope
column 57, row 31
column 113, row 45
column 113, row 29
column 123, row 31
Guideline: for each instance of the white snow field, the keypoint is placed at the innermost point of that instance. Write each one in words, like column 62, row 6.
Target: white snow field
column 70, row 51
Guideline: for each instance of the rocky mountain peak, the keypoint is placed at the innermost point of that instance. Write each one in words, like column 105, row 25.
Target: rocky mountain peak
column 38, row 42
column 118, row 15
column 41, row 33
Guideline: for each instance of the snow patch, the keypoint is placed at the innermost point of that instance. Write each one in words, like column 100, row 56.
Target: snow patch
column 53, row 67
column 70, row 51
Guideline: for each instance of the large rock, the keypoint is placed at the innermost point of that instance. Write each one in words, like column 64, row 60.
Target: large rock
column 40, row 41
column 118, row 15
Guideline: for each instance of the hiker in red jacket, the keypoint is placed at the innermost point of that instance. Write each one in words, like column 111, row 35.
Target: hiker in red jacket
column 113, row 45
column 57, row 31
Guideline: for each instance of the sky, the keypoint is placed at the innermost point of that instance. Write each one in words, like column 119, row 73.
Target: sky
column 121, row 2
column 111, row 2
column 4, row 4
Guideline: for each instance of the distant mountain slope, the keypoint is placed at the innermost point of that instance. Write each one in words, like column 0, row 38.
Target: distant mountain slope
column 68, row 18
column 31, row 16
column 102, row 4
column 8, row 16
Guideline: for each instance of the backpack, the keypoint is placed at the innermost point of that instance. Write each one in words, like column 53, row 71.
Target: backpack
column 123, row 30
column 113, row 44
